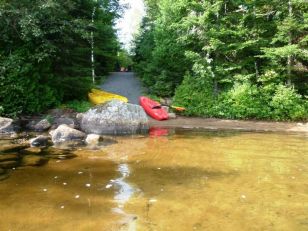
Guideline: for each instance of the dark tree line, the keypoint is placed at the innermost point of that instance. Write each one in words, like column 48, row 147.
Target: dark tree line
column 227, row 58
column 45, row 50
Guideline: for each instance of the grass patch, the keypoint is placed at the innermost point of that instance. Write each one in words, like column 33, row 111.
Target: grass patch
column 78, row 106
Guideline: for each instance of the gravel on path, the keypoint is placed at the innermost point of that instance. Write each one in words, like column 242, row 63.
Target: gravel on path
column 125, row 84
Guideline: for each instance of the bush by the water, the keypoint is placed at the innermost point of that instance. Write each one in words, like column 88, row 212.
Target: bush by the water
column 243, row 101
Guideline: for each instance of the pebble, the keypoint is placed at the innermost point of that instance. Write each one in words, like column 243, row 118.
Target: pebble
column 152, row 200
column 88, row 185
column 108, row 186
column 77, row 196
column 79, row 173
column 243, row 196
column 45, row 190
column 64, row 183
column 62, row 207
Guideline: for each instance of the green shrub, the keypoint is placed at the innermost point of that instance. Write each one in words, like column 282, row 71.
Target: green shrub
column 78, row 106
column 196, row 97
column 243, row 101
column 287, row 104
column 24, row 88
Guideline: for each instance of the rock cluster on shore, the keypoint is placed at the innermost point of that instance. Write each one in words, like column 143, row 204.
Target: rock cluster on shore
column 65, row 129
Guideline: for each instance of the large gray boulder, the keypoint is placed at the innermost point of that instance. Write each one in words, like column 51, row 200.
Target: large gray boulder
column 115, row 118
column 64, row 133
column 7, row 126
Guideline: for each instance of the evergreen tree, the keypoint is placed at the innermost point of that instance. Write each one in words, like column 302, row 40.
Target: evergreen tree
column 45, row 50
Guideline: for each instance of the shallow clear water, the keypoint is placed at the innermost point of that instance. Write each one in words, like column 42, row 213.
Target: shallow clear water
column 184, row 181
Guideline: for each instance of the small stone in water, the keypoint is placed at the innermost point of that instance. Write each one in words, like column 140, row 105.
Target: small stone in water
column 293, row 177
column 77, row 196
column 108, row 186
column 62, row 207
column 79, row 173
column 243, row 196
column 45, row 189
column 88, row 185
column 64, row 183
column 158, row 168
column 56, row 177
column 152, row 200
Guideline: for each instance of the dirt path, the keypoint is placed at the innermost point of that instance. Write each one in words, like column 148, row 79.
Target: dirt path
column 219, row 124
column 124, row 83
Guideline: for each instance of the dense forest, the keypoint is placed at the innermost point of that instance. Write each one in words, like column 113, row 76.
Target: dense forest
column 45, row 51
column 227, row 58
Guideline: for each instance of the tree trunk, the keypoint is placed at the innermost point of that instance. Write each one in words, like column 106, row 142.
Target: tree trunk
column 92, row 48
column 290, row 59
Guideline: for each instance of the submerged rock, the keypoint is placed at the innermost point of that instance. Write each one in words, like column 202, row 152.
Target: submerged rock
column 8, row 164
column 116, row 118
column 39, row 126
column 33, row 160
column 55, row 153
column 40, row 141
column 3, row 174
column 64, row 133
column 8, row 157
column 7, row 126
column 31, row 151
column 93, row 139
column 12, row 147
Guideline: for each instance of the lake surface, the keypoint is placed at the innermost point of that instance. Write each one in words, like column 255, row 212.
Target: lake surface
column 187, row 180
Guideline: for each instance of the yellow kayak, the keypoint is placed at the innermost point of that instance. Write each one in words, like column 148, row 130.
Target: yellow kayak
column 99, row 97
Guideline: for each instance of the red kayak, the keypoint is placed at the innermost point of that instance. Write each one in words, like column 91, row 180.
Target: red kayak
column 153, row 108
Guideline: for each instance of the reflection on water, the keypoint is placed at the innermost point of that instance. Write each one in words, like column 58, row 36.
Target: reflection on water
column 124, row 191
column 184, row 181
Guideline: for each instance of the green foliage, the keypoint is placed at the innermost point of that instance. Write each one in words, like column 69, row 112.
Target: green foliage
column 78, row 106
column 287, row 104
column 243, row 101
column 45, row 51
column 228, row 59
column 124, row 59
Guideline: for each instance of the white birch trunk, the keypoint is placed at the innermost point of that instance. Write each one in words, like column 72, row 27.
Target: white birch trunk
column 92, row 48
column 289, row 82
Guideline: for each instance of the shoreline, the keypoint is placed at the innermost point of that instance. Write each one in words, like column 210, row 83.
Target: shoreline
column 224, row 124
